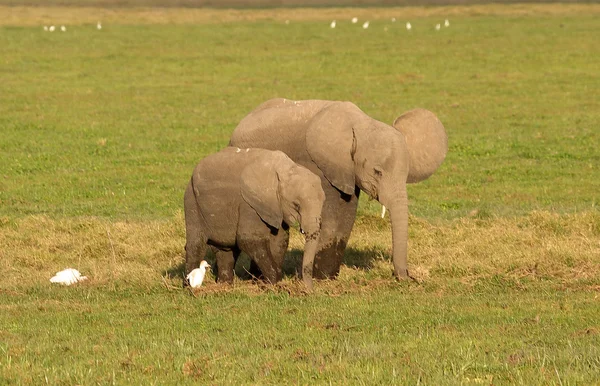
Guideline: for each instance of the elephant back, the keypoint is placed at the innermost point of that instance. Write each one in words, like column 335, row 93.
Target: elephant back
column 426, row 141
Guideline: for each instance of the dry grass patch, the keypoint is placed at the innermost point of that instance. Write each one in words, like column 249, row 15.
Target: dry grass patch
column 563, row 249
column 37, row 16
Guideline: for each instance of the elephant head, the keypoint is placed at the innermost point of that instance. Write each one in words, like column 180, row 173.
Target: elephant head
column 353, row 149
column 288, row 192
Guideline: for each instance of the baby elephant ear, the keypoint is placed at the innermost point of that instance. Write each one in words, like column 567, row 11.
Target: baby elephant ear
column 330, row 144
column 259, row 185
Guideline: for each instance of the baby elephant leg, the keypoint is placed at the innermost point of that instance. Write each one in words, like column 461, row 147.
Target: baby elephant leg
column 225, row 265
column 267, row 253
column 195, row 245
column 264, row 245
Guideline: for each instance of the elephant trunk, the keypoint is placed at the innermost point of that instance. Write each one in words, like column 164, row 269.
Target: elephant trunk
column 398, row 208
column 308, row 260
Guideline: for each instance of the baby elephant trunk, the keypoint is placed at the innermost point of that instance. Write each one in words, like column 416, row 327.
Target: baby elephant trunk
column 312, row 232
column 308, row 260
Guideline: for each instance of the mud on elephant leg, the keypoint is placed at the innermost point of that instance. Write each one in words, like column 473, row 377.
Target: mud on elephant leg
column 225, row 265
column 337, row 221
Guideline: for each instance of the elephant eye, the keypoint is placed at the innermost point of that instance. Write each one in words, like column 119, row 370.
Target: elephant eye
column 378, row 172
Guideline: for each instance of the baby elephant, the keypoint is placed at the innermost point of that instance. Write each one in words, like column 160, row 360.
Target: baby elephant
column 245, row 200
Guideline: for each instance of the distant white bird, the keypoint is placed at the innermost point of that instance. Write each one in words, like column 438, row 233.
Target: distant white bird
column 63, row 28
column 51, row 29
column 382, row 211
column 196, row 277
column 45, row 28
column 446, row 23
column 354, row 20
column 408, row 26
column 99, row 26
column 332, row 25
column 366, row 25
column 393, row 19
column 67, row 277
column 437, row 27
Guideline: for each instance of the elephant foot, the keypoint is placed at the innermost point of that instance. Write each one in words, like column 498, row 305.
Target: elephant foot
column 403, row 275
column 328, row 260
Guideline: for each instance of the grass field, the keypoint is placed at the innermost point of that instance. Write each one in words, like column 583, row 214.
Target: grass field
column 100, row 130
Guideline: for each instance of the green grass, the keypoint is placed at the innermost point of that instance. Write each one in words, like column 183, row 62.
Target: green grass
column 112, row 122
column 381, row 337
column 99, row 133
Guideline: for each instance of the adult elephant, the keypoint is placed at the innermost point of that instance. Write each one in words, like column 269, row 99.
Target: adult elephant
column 350, row 152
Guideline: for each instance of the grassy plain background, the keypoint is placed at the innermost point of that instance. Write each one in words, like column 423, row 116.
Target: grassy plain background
column 101, row 129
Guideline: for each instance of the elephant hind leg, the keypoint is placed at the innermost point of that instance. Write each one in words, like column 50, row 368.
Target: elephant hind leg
column 226, row 260
column 195, row 250
column 195, row 246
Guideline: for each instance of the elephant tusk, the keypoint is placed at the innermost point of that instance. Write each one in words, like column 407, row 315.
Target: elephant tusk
column 382, row 211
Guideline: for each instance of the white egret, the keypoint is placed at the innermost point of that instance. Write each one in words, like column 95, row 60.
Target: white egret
column 393, row 19
column 354, row 20
column 332, row 25
column 408, row 26
column 196, row 277
column 437, row 27
column 446, row 23
column 63, row 28
column 366, row 25
column 45, row 28
column 99, row 26
column 67, row 277
column 51, row 29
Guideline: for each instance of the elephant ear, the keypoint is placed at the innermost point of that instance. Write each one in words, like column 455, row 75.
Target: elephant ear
column 259, row 186
column 330, row 143
column 426, row 141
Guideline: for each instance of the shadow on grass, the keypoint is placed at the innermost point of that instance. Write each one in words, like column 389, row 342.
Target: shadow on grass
column 292, row 265
column 353, row 258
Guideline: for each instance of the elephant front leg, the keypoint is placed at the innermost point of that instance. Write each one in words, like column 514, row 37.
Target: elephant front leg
column 226, row 264
column 267, row 256
column 337, row 220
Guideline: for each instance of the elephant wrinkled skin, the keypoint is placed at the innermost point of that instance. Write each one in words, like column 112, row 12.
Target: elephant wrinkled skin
column 350, row 151
column 245, row 200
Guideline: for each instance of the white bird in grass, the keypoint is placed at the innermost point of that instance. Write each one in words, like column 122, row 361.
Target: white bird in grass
column 63, row 28
column 51, row 29
column 332, row 25
column 366, row 25
column 354, row 20
column 99, row 26
column 45, row 28
column 393, row 19
column 408, row 26
column 437, row 27
column 446, row 23
column 67, row 277
column 196, row 277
